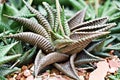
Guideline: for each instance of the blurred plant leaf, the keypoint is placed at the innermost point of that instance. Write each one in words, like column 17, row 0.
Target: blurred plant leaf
column 3, row 27
column 114, row 47
column 116, row 76
column 16, row 3
column 9, row 10
column 101, row 54
column 105, row 7
column 24, row 10
column 2, row 78
column 18, row 48
column 115, row 29
column 108, row 41
column 27, row 56
column 115, row 16
column 5, row 70
column 6, row 59
column 4, row 49
column 117, row 36
column 6, row 32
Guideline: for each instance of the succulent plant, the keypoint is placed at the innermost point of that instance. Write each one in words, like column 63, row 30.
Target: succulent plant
column 62, row 43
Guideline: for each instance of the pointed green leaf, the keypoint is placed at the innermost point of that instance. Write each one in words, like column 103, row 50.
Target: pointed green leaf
column 64, row 23
column 2, row 78
column 27, row 56
column 9, row 10
column 49, row 13
column 114, row 47
column 18, row 48
column 16, row 3
column 6, row 59
column 6, row 32
column 5, row 71
column 4, row 49
column 4, row 27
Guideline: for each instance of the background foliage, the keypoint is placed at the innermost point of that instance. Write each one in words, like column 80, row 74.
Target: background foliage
column 12, row 51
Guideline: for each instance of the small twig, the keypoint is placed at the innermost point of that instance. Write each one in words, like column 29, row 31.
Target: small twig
column 15, row 64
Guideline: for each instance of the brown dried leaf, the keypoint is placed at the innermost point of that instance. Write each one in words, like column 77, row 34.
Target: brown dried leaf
column 100, row 72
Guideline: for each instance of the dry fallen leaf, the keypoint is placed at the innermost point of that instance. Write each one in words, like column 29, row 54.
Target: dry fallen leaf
column 100, row 72
column 30, row 77
column 114, row 65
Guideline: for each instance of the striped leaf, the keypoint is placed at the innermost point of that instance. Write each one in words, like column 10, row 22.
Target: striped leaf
column 34, row 39
column 86, row 57
column 41, row 19
column 31, row 25
column 80, row 44
column 49, row 59
column 77, row 18
column 64, row 23
column 94, row 22
column 49, row 14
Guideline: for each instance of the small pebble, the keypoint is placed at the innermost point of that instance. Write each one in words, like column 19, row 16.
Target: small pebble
column 27, row 73
column 24, row 68
column 30, row 77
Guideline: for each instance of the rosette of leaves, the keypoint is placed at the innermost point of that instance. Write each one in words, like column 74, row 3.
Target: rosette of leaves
column 61, row 42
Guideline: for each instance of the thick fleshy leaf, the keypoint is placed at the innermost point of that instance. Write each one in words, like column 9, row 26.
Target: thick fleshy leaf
column 94, row 22
column 34, row 39
column 32, row 25
column 55, row 35
column 80, row 44
column 9, row 10
column 85, row 67
column 115, row 36
column 72, row 59
column 49, row 14
column 3, row 27
column 50, row 59
column 6, row 59
column 39, row 16
column 95, row 28
column 5, row 49
column 6, row 32
column 27, row 56
column 109, row 40
column 66, row 69
column 114, row 47
column 37, row 59
column 77, row 18
column 101, row 54
column 93, row 44
column 26, row 15
column 106, row 28
column 85, row 57
column 62, row 43
column 24, row 10
column 5, row 71
column 82, row 34
column 64, row 23
column 2, row 78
